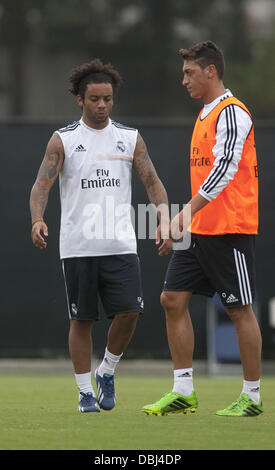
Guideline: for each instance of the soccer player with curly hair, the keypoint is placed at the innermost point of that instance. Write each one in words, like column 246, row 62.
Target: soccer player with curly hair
column 94, row 157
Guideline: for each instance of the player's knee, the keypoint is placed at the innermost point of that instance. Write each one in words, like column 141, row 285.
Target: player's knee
column 168, row 300
column 77, row 324
column 129, row 317
column 240, row 313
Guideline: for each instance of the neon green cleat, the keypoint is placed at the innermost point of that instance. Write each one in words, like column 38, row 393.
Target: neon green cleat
column 172, row 402
column 244, row 406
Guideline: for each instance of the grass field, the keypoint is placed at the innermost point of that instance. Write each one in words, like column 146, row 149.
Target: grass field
column 40, row 413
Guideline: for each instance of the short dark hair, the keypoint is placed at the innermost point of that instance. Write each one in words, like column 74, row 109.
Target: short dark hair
column 205, row 53
column 93, row 72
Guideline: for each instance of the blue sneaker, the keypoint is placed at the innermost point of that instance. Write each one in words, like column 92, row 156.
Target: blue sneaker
column 87, row 403
column 106, row 395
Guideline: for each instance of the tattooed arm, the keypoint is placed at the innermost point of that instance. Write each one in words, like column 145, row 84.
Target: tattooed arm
column 47, row 174
column 156, row 192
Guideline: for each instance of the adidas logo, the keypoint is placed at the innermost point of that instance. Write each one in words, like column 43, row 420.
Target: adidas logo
column 186, row 374
column 231, row 299
column 140, row 301
column 80, row 148
column 73, row 310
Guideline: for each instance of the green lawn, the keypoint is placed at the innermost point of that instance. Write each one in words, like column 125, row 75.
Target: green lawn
column 40, row 413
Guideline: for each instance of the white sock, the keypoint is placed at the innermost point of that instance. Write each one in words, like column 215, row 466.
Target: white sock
column 108, row 364
column 252, row 389
column 183, row 381
column 84, row 383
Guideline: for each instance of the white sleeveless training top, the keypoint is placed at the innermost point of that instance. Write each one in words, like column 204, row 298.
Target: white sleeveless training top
column 96, row 190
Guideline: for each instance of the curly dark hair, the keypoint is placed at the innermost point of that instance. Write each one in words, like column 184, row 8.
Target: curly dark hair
column 205, row 53
column 93, row 72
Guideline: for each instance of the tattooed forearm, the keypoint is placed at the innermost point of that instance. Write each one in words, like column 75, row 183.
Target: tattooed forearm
column 157, row 194
column 47, row 174
column 148, row 175
column 38, row 201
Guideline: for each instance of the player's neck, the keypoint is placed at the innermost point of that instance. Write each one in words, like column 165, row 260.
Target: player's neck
column 94, row 124
column 214, row 92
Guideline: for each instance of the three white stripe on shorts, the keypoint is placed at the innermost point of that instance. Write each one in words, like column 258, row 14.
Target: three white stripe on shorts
column 244, row 284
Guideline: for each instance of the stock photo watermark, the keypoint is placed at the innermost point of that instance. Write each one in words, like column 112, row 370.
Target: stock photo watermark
column 110, row 221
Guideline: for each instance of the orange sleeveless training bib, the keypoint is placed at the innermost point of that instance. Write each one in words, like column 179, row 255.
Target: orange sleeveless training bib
column 235, row 210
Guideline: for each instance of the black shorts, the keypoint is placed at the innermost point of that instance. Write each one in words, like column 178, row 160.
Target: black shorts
column 116, row 279
column 215, row 263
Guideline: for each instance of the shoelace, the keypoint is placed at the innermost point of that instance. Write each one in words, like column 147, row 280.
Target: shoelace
column 164, row 396
column 86, row 398
column 109, row 384
column 242, row 400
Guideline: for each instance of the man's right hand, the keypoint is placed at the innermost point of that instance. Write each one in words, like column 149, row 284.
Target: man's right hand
column 39, row 231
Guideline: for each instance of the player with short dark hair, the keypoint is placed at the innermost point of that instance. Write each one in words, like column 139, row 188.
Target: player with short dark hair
column 224, row 223
column 204, row 54
column 94, row 158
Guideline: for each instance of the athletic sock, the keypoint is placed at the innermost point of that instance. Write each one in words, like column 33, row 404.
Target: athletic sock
column 183, row 381
column 108, row 363
column 252, row 389
column 84, row 383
